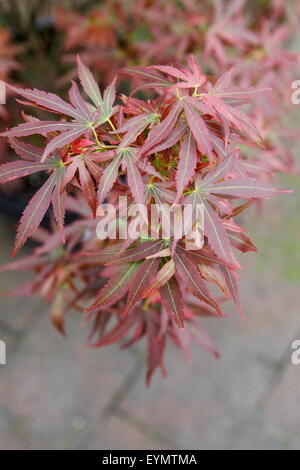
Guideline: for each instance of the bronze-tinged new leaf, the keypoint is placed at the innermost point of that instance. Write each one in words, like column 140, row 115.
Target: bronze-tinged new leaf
column 57, row 313
column 164, row 275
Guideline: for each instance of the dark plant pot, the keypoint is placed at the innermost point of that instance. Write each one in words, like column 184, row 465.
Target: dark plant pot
column 14, row 206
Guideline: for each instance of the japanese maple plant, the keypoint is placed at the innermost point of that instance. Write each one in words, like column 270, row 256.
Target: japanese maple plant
column 184, row 143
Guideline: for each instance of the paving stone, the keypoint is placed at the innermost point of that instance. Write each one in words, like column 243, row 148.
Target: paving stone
column 19, row 314
column 272, row 317
column 255, row 436
column 59, row 385
column 199, row 402
column 282, row 412
column 113, row 434
column 18, row 436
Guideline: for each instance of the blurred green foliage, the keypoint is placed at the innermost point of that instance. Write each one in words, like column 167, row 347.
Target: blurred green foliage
column 277, row 233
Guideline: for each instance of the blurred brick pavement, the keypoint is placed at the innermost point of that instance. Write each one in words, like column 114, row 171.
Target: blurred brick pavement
column 57, row 394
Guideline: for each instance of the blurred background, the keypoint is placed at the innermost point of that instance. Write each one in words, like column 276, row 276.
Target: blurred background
column 55, row 393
